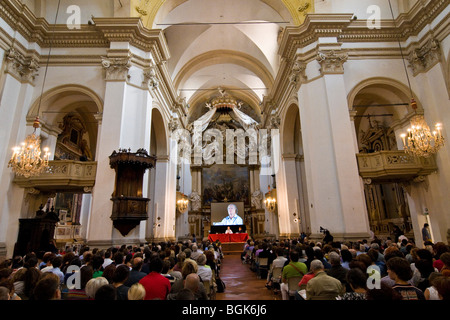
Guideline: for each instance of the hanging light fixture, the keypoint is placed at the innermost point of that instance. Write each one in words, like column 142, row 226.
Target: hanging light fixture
column 182, row 204
column 270, row 204
column 420, row 141
column 26, row 159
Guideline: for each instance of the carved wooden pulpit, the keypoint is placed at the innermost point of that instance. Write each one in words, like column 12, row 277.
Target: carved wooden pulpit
column 129, row 206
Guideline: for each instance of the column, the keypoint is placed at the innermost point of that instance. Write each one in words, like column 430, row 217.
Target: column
column 16, row 97
column 127, row 113
column 335, row 195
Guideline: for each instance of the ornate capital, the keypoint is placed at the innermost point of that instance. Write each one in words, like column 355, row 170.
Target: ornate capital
column 173, row 125
column 117, row 68
column 332, row 62
column 150, row 78
column 23, row 68
column 298, row 74
column 423, row 58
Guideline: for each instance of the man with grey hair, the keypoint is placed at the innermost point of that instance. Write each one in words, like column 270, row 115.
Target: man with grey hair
column 337, row 271
column 233, row 218
column 322, row 286
column 376, row 246
column 195, row 252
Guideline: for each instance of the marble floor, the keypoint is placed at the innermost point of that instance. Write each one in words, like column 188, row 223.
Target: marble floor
column 242, row 283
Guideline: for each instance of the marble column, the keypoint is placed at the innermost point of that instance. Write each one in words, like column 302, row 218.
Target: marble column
column 335, row 194
column 127, row 111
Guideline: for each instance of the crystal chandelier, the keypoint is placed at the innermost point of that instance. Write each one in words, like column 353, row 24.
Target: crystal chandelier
column 182, row 204
column 270, row 204
column 421, row 141
column 26, row 159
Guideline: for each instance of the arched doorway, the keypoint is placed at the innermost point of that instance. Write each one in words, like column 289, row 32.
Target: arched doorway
column 381, row 112
column 70, row 117
column 292, row 212
column 161, row 183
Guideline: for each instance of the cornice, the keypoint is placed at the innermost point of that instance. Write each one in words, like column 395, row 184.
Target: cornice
column 99, row 35
column 346, row 31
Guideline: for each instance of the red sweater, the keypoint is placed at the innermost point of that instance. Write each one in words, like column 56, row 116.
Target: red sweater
column 156, row 286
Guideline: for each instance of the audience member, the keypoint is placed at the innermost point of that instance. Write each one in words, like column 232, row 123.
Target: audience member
column 337, row 271
column 93, row 285
column 156, row 286
column 135, row 274
column 357, row 281
column 47, row 288
column 399, row 270
column 136, row 292
column 119, row 278
column 292, row 269
column 322, row 286
column 106, row 292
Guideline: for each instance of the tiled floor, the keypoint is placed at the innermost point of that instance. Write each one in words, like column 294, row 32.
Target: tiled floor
column 242, row 283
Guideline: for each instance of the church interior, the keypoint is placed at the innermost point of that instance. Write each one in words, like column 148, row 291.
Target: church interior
column 137, row 121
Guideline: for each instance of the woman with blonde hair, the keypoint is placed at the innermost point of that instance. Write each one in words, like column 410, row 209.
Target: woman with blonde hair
column 136, row 292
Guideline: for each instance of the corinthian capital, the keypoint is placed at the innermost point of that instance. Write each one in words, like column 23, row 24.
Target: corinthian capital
column 116, row 68
column 332, row 62
column 423, row 58
column 22, row 68
column 150, row 78
column 298, row 73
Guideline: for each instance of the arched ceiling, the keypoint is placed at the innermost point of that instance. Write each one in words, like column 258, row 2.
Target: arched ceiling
column 231, row 44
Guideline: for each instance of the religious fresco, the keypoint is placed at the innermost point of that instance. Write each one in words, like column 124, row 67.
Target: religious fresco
column 225, row 183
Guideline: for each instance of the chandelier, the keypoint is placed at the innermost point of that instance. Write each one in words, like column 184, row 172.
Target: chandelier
column 26, row 159
column 421, row 141
column 182, row 204
column 270, row 204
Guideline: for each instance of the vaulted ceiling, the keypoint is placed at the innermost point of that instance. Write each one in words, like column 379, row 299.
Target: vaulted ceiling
column 232, row 44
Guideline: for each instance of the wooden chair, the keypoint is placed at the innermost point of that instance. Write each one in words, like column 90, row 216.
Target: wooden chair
column 210, row 289
column 263, row 265
column 293, row 285
column 276, row 274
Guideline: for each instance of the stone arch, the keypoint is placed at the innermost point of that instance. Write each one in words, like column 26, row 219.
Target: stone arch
column 381, row 101
column 291, row 132
column 158, row 136
column 58, row 102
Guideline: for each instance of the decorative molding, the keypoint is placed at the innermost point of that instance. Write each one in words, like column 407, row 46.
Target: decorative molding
column 424, row 58
column 298, row 73
column 151, row 80
column 22, row 68
column 117, row 68
column 331, row 61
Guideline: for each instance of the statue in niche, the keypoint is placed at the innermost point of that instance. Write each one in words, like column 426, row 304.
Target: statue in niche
column 196, row 201
column 257, row 197
column 86, row 150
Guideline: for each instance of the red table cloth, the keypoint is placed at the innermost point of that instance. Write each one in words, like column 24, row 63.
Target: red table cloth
column 223, row 237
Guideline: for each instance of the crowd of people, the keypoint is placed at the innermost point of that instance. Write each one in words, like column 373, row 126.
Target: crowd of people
column 158, row 271
column 297, row 269
column 301, row 269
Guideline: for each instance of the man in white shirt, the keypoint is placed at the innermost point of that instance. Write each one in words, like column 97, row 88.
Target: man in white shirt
column 228, row 231
column 278, row 262
column 232, row 218
column 108, row 259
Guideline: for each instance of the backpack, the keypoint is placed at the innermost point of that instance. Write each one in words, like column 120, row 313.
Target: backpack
column 220, row 285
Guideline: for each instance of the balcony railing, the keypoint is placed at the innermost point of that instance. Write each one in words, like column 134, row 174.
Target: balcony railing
column 63, row 175
column 393, row 165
